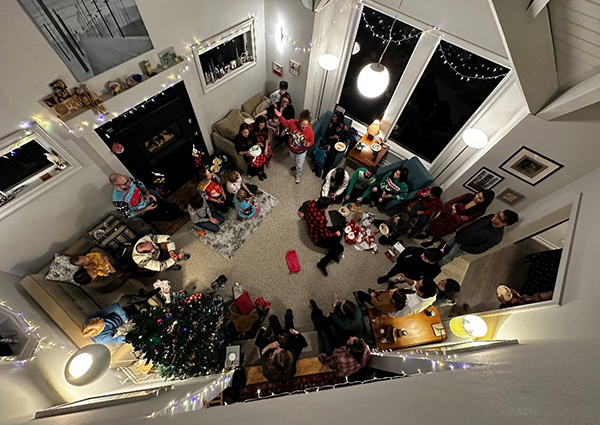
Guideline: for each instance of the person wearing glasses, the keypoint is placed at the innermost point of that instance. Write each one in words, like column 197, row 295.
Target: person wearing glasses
column 483, row 234
column 133, row 199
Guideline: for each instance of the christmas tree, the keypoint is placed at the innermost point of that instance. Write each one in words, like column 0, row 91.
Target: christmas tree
column 182, row 339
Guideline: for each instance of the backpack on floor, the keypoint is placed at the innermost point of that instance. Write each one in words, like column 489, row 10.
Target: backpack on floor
column 292, row 261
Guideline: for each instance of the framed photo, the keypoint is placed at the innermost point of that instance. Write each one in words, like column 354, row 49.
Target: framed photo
column 510, row 197
column 483, row 179
column 277, row 68
column 294, row 68
column 530, row 166
column 167, row 57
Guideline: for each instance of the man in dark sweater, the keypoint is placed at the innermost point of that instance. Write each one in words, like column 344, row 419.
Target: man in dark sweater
column 483, row 234
column 415, row 263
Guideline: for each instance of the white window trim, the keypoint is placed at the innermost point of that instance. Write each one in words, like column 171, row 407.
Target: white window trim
column 35, row 186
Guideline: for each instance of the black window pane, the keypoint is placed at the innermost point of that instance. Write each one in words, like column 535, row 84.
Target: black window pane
column 444, row 99
column 396, row 57
column 21, row 163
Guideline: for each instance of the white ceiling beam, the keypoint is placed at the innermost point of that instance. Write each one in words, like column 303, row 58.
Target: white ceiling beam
column 529, row 45
column 536, row 7
column 579, row 96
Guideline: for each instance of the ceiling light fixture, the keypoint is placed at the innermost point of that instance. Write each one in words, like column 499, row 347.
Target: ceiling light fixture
column 475, row 138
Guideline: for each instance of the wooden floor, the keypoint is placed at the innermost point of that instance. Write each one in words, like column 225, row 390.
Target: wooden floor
column 504, row 267
column 308, row 366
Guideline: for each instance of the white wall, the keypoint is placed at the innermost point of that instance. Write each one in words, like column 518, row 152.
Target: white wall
column 51, row 222
column 297, row 24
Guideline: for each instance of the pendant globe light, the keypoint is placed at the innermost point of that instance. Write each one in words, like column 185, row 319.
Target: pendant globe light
column 374, row 78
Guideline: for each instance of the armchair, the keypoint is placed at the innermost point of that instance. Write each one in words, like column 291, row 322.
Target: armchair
column 319, row 129
column 418, row 178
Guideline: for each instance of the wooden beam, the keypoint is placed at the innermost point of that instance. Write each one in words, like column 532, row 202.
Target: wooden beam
column 579, row 96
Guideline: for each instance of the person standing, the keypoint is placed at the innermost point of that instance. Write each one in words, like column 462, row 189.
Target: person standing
column 276, row 95
column 301, row 138
column 133, row 199
column 313, row 213
column 335, row 184
column 480, row 236
column 320, row 153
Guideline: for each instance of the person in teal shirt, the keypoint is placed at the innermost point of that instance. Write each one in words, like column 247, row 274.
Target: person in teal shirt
column 347, row 319
column 362, row 182
column 393, row 186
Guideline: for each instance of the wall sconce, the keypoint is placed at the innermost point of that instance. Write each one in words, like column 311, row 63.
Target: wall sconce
column 279, row 37
column 475, row 138
column 468, row 326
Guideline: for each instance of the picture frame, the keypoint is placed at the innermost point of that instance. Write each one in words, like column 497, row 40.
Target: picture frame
column 294, row 68
column 510, row 197
column 167, row 57
column 482, row 180
column 277, row 68
column 530, row 166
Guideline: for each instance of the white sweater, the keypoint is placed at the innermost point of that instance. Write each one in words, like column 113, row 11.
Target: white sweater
column 327, row 184
column 150, row 260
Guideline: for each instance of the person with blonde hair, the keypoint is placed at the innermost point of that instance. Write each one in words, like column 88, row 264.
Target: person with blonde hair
column 246, row 206
column 101, row 327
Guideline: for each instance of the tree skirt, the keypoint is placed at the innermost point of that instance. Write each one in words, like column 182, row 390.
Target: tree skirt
column 234, row 233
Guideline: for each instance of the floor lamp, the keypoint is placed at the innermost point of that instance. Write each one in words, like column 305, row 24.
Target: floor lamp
column 328, row 62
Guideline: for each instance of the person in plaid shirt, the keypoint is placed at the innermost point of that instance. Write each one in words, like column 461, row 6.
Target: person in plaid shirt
column 323, row 236
column 429, row 203
column 243, row 142
column 348, row 359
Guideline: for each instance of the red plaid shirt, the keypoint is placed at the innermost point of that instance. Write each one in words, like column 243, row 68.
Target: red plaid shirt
column 316, row 223
column 343, row 364
column 432, row 205
column 258, row 161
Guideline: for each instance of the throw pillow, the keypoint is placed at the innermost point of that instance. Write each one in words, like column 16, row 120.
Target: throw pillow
column 261, row 107
column 61, row 270
column 253, row 102
column 229, row 126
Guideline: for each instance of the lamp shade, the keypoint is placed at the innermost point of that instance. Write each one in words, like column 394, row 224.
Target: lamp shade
column 329, row 62
column 468, row 326
column 356, row 48
column 373, row 80
column 475, row 138
column 373, row 129
column 87, row 364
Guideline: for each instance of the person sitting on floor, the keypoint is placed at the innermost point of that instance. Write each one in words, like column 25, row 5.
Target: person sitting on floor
column 157, row 253
column 415, row 263
column 280, row 355
column 335, row 184
column 447, row 294
column 362, row 182
column 429, row 203
column 235, row 183
column 102, row 326
column 396, row 226
column 393, row 186
column 246, row 206
column 211, row 189
column 133, row 199
column 480, row 236
column 202, row 216
column 313, row 213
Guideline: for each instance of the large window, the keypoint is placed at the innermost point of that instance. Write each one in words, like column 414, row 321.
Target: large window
column 450, row 90
column 368, row 48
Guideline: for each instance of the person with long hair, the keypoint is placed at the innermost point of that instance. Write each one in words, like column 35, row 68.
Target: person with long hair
column 393, row 186
column 260, row 131
column 202, row 216
column 448, row 290
column 286, row 109
column 456, row 213
column 335, row 184
column 211, row 189
column 243, row 142
column 335, row 132
column 235, row 183
column 301, row 138
column 346, row 318
column 246, row 206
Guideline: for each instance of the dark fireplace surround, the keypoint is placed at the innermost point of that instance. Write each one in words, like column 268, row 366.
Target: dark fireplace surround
column 158, row 136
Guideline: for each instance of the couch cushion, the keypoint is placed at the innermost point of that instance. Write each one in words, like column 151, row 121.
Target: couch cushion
column 253, row 102
column 261, row 107
column 73, row 300
column 229, row 126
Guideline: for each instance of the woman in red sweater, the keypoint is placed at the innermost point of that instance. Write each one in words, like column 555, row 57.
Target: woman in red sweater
column 301, row 138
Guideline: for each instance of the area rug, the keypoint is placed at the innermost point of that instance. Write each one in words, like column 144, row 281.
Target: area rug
column 235, row 233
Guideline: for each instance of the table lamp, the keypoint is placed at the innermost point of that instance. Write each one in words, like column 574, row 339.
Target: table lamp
column 468, row 326
column 373, row 129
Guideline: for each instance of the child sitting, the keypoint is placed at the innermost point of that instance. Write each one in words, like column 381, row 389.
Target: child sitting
column 246, row 207
column 320, row 153
column 273, row 124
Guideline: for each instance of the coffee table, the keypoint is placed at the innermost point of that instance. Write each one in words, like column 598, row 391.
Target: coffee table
column 366, row 157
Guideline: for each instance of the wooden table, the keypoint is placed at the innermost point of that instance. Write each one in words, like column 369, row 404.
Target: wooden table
column 364, row 157
column 419, row 329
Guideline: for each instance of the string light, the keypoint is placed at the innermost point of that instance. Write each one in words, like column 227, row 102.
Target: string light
column 387, row 38
column 462, row 76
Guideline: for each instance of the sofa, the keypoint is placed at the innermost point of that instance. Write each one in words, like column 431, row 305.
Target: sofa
column 319, row 129
column 225, row 130
column 418, row 178
column 69, row 305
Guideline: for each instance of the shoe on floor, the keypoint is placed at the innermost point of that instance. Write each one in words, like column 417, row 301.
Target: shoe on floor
column 186, row 257
column 323, row 269
column 313, row 304
column 175, row 267
column 382, row 279
column 293, row 169
column 260, row 177
column 336, row 259
column 427, row 244
column 263, row 174
column 297, row 180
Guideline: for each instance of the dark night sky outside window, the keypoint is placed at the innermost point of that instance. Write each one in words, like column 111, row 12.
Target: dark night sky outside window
column 357, row 106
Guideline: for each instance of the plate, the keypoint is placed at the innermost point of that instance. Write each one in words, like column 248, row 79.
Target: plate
column 217, row 161
column 215, row 168
column 375, row 147
column 384, row 229
column 348, row 229
column 344, row 211
column 340, row 146
column 504, row 292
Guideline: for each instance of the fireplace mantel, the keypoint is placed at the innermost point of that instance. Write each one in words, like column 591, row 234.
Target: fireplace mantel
column 85, row 123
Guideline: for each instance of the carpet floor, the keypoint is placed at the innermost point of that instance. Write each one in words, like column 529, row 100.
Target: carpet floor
column 259, row 264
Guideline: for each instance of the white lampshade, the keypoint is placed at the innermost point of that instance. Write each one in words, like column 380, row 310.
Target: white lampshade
column 373, row 80
column 329, row 62
column 355, row 48
column 87, row 364
column 468, row 326
column 475, row 138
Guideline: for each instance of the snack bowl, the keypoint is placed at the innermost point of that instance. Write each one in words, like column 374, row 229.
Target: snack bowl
column 384, row 229
column 217, row 161
column 344, row 211
column 215, row 168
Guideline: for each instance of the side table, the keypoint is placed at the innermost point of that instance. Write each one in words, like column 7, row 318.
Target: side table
column 112, row 234
column 365, row 157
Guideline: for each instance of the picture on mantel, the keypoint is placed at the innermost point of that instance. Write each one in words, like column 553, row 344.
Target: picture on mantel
column 90, row 36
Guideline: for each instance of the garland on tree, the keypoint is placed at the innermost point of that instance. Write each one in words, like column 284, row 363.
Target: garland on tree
column 182, row 339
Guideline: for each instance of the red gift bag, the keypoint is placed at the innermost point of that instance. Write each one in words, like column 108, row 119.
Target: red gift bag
column 292, row 261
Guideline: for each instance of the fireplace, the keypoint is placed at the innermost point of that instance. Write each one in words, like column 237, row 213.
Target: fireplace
column 158, row 137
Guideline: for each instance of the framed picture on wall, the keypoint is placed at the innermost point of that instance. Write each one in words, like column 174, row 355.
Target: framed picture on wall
column 530, row 166
column 277, row 68
column 510, row 197
column 294, row 68
column 483, row 179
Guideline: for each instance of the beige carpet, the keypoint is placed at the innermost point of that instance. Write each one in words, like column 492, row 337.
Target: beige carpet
column 259, row 265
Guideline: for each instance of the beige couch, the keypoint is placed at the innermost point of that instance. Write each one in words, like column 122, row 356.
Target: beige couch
column 225, row 130
column 69, row 305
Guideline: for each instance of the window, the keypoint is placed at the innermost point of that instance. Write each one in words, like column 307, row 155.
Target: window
column 444, row 100
column 370, row 45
